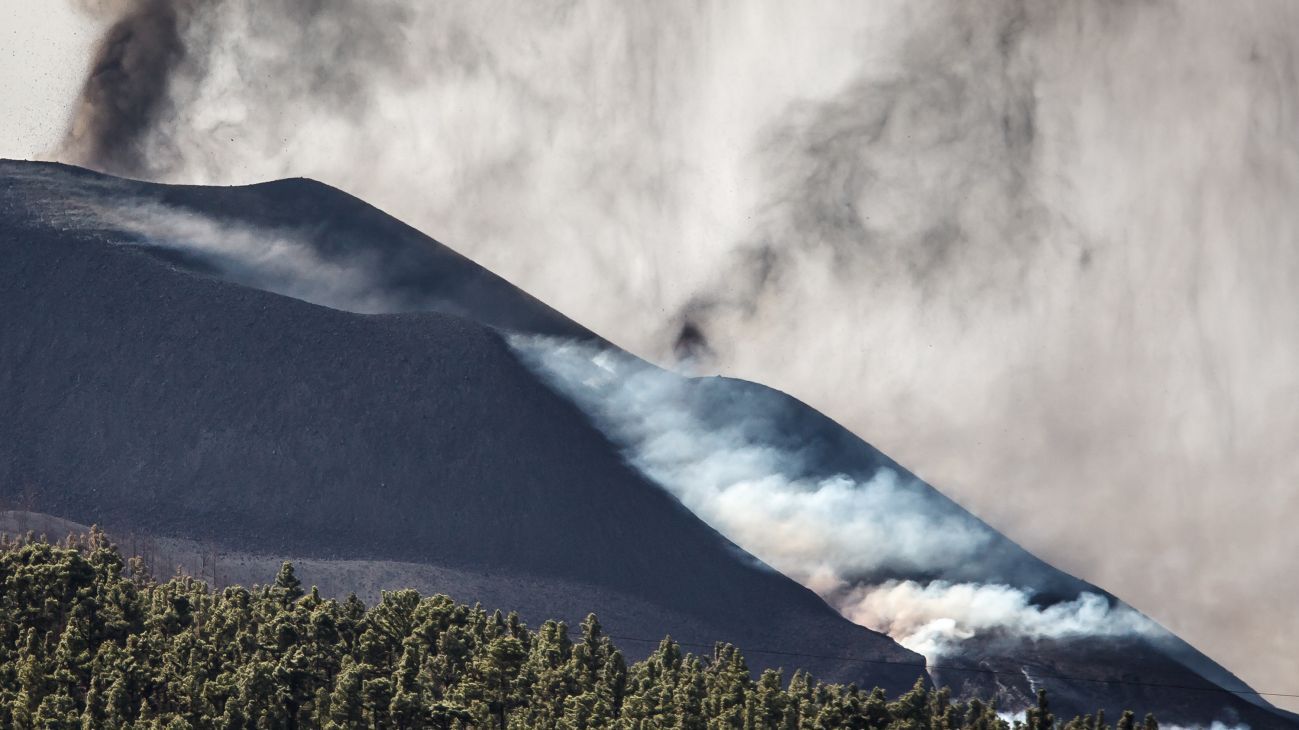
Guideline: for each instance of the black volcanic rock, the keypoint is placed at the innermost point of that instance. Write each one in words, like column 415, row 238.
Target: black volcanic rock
column 148, row 399
column 166, row 390
column 413, row 272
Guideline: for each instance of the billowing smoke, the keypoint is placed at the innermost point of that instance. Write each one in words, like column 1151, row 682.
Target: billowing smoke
column 1042, row 253
column 126, row 94
column 934, row 618
column 835, row 534
column 817, row 529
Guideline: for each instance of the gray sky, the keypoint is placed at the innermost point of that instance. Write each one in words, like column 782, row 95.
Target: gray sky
column 44, row 50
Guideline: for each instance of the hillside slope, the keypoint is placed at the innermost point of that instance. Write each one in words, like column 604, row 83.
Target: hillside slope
column 147, row 399
column 205, row 407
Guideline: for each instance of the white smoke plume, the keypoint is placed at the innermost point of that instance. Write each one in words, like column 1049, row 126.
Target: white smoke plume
column 830, row 533
column 936, row 617
column 1033, row 249
column 284, row 260
column 816, row 530
column 276, row 260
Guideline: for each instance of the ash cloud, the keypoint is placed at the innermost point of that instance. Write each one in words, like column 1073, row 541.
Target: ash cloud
column 126, row 92
column 1035, row 249
column 153, row 65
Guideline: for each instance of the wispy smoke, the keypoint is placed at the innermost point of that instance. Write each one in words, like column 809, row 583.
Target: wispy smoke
column 301, row 263
column 1033, row 249
column 277, row 260
column 835, row 534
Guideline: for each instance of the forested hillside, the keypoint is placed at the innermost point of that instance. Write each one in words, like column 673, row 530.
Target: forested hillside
column 89, row 640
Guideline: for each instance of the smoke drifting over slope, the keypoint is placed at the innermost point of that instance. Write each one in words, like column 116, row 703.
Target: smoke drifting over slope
column 273, row 260
column 835, row 534
column 1040, row 250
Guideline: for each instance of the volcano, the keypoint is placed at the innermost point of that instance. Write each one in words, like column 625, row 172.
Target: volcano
column 281, row 370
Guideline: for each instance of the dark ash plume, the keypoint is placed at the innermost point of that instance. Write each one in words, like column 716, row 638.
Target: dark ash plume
column 1040, row 249
column 691, row 344
column 153, row 68
column 919, row 175
column 126, row 90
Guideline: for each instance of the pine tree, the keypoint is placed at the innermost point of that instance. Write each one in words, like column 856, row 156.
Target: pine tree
column 287, row 583
column 407, row 707
column 1040, row 717
column 875, row 710
column 58, row 711
column 345, row 708
column 911, row 710
column 727, row 681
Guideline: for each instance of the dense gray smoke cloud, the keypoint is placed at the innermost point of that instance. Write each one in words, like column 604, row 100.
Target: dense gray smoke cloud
column 1042, row 253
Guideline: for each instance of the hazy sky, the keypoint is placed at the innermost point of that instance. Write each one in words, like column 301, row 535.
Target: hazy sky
column 1043, row 254
column 44, row 50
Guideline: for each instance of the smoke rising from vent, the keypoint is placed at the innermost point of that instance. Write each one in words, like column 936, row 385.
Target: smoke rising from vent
column 1043, row 253
column 835, row 534
column 126, row 93
column 817, row 529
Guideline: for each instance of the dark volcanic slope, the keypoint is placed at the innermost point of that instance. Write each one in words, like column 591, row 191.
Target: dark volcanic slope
column 146, row 398
column 1162, row 673
column 402, row 269
column 145, row 389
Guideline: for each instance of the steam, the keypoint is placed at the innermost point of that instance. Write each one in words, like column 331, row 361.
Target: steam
column 813, row 529
column 283, row 261
column 1033, row 249
column 933, row 619
column 298, row 263
column 834, row 534
column 126, row 91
